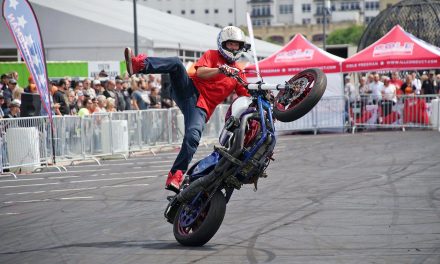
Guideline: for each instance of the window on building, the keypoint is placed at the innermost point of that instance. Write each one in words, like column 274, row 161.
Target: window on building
column 230, row 11
column 306, row 21
column 206, row 11
column 215, row 11
column 371, row 5
column 306, row 8
column 368, row 19
column 286, row 9
column 192, row 12
column 169, row 11
column 182, row 12
column 8, row 54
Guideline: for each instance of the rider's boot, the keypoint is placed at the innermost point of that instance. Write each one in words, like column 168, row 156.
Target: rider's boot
column 174, row 180
column 134, row 64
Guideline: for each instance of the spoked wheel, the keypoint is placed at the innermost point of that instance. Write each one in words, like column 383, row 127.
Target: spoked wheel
column 195, row 224
column 308, row 88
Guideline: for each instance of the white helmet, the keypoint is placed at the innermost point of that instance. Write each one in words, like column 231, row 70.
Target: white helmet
column 231, row 33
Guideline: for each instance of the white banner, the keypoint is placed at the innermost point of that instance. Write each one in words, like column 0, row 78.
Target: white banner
column 111, row 68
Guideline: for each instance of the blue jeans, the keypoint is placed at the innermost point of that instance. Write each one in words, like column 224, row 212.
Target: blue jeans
column 185, row 94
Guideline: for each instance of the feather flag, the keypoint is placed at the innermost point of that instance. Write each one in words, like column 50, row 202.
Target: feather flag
column 23, row 25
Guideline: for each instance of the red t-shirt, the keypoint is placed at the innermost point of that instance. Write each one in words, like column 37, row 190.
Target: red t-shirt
column 214, row 90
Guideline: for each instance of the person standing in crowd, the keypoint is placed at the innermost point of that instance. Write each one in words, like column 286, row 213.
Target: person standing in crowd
column 119, row 94
column 110, row 105
column 141, row 99
column 14, row 109
column 376, row 89
column 350, row 90
column 2, row 110
column 72, row 103
column 32, row 87
column 127, row 95
column 416, row 82
column 110, row 89
column 196, row 96
column 408, row 85
column 4, row 81
column 99, row 89
column 9, row 91
column 389, row 97
column 88, row 88
column 429, row 84
column 60, row 97
column 395, row 79
column 101, row 103
column 154, row 98
column 88, row 109
column 79, row 86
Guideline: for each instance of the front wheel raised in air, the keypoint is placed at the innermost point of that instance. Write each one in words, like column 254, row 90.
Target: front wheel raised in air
column 308, row 88
column 195, row 224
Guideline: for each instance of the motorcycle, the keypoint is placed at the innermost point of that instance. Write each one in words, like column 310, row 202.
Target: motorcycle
column 247, row 144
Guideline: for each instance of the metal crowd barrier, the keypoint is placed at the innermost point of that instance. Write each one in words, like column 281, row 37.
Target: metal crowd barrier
column 27, row 143
column 407, row 111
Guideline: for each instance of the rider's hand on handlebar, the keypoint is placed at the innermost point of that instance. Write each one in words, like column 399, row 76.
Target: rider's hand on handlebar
column 228, row 70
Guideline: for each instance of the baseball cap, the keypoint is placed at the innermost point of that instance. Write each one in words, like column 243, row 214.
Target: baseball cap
column 15, row 102
column 80, row 93
column 96, row 82
column 12, row 81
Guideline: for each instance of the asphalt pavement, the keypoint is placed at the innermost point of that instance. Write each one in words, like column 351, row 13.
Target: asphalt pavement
column 331, row 198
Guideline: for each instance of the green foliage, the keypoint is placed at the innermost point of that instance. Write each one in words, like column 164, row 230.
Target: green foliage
column 350, row 35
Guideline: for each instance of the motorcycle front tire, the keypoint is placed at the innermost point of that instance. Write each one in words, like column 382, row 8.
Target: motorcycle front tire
column 212, row 221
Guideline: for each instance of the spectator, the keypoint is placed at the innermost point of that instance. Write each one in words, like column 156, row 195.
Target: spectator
column 2, row 110
column 429, row 84
column 14, row 109
column 141, row 99
column 389, row 97
column 4, row 82
column 61, row 97
column 416, row 82
column 32, row 87
column 88, row 89
column 110, row 105
column 72, row 103
column 350, row 90
column 79, row 86
column 119, row 93
column 14, row 75
column 7, row 93
column 97, row 87
column 110, row 89
column 88, row 109
column 395, row 79
column 127, row 95
column 154, row 98
column 79, row 100
column 68, row 80
column 376, row 89
column 408, row 87
column 101, row 103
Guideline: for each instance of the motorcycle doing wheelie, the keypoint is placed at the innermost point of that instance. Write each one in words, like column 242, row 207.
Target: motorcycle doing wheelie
column 247, row 143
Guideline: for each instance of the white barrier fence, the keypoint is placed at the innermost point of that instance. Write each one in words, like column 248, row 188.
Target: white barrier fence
column 27, row 143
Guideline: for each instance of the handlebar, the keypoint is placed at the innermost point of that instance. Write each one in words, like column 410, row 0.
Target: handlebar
column 261, row 86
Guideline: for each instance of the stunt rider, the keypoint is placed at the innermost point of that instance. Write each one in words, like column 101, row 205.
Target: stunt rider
column 197, row 96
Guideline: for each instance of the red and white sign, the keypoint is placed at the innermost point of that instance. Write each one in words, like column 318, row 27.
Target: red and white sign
column 398, row 50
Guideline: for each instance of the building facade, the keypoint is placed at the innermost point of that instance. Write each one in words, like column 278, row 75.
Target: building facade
column 277, row 20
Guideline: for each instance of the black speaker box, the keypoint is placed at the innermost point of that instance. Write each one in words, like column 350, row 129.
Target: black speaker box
column 30, row 105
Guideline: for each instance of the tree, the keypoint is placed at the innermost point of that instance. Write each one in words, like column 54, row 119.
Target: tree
column 350, row 35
